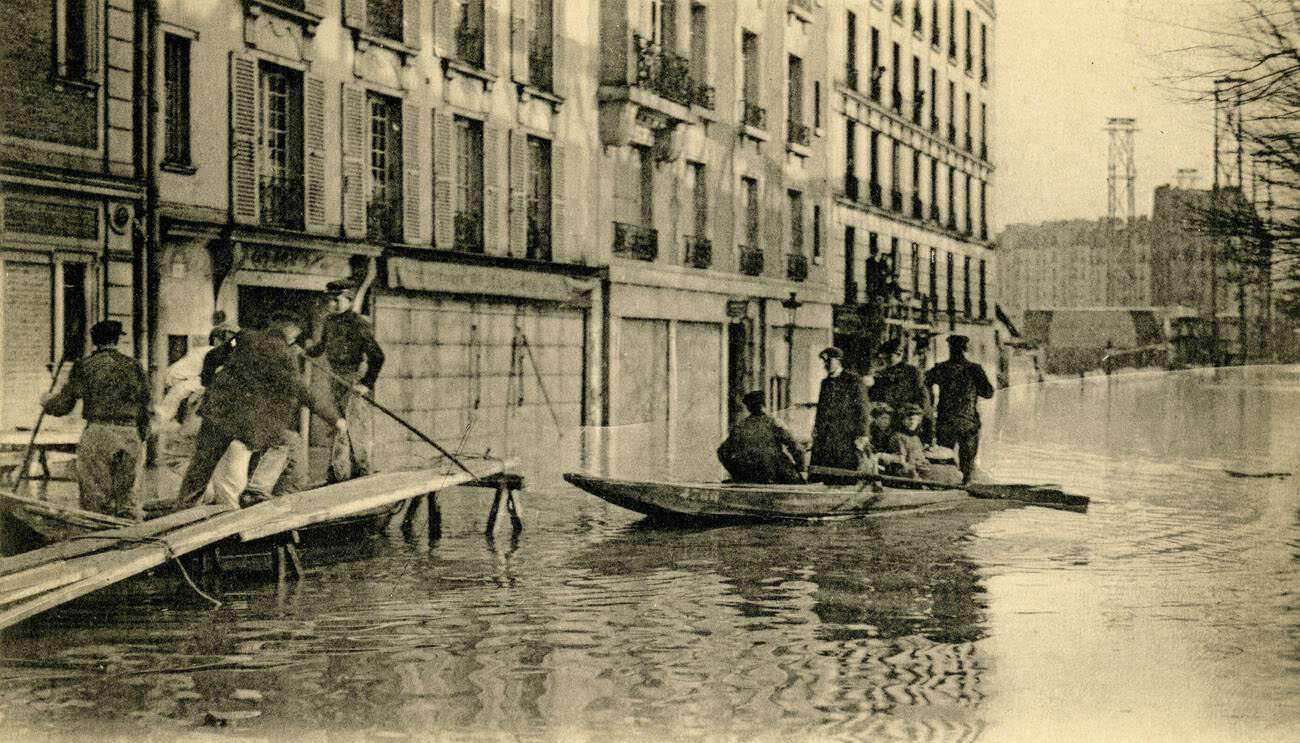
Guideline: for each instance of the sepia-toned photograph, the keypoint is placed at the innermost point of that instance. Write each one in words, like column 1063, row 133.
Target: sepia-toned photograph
column 787, row 371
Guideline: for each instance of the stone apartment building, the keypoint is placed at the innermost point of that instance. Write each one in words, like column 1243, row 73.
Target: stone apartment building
column 70, row 188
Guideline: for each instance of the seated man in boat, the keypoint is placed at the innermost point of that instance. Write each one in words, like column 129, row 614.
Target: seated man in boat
column 760, row 450
column 115, row 404
column 906, row 457
column 251, row 402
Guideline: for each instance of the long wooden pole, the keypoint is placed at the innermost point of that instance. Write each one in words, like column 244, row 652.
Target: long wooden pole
column 364, row 396
column 31, row 442
column 1039, row 495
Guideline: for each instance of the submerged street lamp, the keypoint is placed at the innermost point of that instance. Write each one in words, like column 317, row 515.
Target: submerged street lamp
column 791, row 306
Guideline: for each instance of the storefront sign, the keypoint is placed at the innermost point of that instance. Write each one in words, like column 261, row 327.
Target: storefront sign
column 282, row 259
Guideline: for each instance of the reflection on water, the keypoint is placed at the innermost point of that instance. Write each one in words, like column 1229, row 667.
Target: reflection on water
column 1167, row 612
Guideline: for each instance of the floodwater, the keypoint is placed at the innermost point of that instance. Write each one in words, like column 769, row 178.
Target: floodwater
column 1167, row 613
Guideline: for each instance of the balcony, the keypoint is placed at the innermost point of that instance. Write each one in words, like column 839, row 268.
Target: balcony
column 918, row 209
column 895, row 200
column 469, row 42
column 754, row 115
column 631, row 241
column 698, row 253
column 876, row 196
column 664, row 73
column 851, row 187
column 539, row 239
column 796, row 267
column 935, row 216
column 797, row 133
column 282, row 204
column 751, row 261
column 384, row 220
column 468, row 232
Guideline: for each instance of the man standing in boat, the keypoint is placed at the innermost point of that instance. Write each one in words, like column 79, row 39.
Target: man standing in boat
column 115, row 404
column 898, row 383
column 841, row 428
column 251, row 402
column 759, row 449
column 961, row 383
column 346, row 340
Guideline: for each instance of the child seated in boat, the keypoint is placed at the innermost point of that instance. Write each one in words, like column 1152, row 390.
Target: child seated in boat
column 760, row 450
column 905, row 455
column 882, row 427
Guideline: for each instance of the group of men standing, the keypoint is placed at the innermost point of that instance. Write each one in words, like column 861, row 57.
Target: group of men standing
column 249, row 393
column 846, row 437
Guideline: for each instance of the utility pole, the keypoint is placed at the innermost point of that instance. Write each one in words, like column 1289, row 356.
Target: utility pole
column 1121, row 178
column 1214, row 236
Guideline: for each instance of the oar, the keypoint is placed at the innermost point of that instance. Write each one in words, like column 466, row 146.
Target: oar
column 390, row 414
column 1035, row 495
column 36, row 429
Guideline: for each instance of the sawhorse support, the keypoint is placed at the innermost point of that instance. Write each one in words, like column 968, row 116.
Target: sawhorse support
column 506, row 484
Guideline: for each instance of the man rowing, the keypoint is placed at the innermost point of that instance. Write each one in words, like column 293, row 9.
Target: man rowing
column 760, row 450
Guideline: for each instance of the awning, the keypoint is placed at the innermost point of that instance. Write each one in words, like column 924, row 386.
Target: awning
column 494, row 281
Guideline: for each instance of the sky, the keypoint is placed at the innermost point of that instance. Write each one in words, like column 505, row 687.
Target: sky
column 1062, row 68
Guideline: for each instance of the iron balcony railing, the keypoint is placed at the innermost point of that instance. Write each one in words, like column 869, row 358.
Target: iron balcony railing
column 754, row 115
column 935, row 216
column 751, row 261
column 918, row 209
column 851, row 186
column 664, row 73
column 796, row 267
column 631, row 241
column 539, row 239
column 698, row 253
column 895, row 200
column 876, row 194
column 798, row 133
column 468, row 232
column 282, row 202
column 540, row 66
column 384, row 220
column 469, row 41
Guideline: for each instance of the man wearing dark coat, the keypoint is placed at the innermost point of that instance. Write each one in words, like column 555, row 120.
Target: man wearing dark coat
column 115, row 404
column 961, row 383
column 760, row 450
column 900, row 383
column 841, row 428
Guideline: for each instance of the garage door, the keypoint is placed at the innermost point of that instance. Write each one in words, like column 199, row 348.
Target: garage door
column 26, row 334
column 480, row 376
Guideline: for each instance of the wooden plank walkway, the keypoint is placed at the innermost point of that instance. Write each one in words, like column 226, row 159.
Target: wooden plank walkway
column 37, row 581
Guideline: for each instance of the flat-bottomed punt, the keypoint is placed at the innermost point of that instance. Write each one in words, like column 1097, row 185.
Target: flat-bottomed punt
column 716, row 501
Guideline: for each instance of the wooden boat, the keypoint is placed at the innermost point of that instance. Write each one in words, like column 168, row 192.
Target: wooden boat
column 716, row 501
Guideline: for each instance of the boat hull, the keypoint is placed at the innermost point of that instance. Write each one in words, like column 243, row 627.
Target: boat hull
column 704, row 501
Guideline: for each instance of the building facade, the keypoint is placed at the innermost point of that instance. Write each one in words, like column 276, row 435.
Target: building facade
column 70, row 189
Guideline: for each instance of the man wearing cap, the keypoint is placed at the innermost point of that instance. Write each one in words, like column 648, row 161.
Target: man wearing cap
column 759, row 449
column 841, row 428
column 961, row 383
column 251, row 402
column 899, row 383
column 346, row 340
column 115, row 404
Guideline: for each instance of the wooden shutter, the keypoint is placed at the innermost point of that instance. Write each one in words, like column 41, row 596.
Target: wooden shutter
column 489, row 37
column 559, row 220
column 315, row 7
column 354, row 13
column 354, row 161
column 444, row 21
column 412, row 203
column 557, row 48
column 313, row 107
column 411, row 23
column 518, row 193
column 443, row 169
column 491, row 210
column 243, row 139
column 519, row 18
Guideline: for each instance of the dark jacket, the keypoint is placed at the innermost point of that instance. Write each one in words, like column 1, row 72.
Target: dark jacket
column 961, row 384
column 761, row 450
column 256, row 394
column 112, row 387
column 842, row 417
column 346, row 339
column 900, row 384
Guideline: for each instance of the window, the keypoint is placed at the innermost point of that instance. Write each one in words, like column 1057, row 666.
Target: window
column 469, row 32
column 895, row 176
column 984, row 305
column 952, row 112
column 916, row 185
column 918, row 93
column 966, row 205
column 384, row 202
column 876, row 69
column 384, row 18
column 965, row 287
column 984, row 131
column 753, row 114
column 750, row 187
column 952, row 29
column 896, row 78
column 934, row 23
column 984, row 53
column 817, row 104
column 700, row 44
column 76, row 39
column 851, row 52
column 850, row 269
column 950, row 296
column 280, row 134
column 796, row 130
column 934, row 279
column 539, row 199
column 873, row 163
column 984, row 215
column 970, row 53
column 176, row 106
column 817, row 232
column 850, row 158
column 540, row 45
column 952, row 197
column 934, row 188
column 916, row 269
column 646, row 171
column 893, row 259
column 934, row 99
column 468, row 204
column 700, row 199
column 796, row 222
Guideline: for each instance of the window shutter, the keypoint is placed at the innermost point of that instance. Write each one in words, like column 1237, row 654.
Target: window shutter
column 443, row 168
column 518, row 193
column 92, row 40
column 444, row 20
column 315, row 7
column 557, row 49
column 559, row 239
column 519, row 40
column 354, row 13
column 412, row 214
column 243, row 139
column 354, row 172
column 491, row 212
column 489, row 37
column 411, row 23
column 313, row 107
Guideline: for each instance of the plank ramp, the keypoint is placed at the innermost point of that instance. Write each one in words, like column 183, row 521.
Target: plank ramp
column 37, row 581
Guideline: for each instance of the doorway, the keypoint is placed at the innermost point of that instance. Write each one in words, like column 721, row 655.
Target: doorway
column 738, row 363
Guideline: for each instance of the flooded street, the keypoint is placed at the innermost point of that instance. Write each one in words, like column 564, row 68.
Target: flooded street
column 1167, row 612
